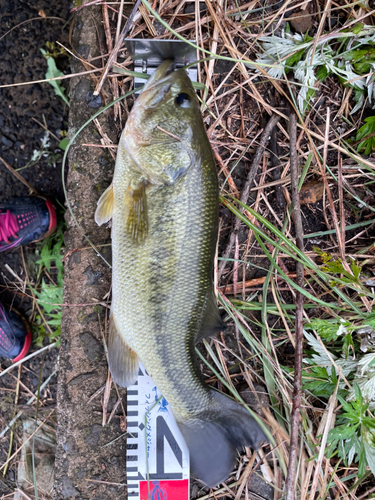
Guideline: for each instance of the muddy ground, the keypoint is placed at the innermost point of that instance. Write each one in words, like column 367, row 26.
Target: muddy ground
column 20, row 135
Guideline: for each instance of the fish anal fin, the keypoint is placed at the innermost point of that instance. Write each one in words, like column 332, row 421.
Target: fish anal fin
column 135, row 212
column 211, row 323
column 104, row 209
column 123, row 361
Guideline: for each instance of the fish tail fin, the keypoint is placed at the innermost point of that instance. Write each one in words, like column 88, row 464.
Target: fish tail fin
column 214, row 436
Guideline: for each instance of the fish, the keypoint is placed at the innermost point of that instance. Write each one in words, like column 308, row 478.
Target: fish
column 163, row 202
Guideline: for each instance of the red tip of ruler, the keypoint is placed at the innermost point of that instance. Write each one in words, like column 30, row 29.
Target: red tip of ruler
column 164, row 490
column 157, row 458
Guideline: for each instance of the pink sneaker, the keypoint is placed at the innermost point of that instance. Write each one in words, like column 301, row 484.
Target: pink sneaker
column 25, row 220
column 15, row 335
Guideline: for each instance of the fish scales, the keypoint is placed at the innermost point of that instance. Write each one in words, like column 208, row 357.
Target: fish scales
column 163, row 202
column 160, row 286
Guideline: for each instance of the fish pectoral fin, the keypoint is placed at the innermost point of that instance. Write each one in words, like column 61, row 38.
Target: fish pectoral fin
column 123, row 361
column 104, row 209
column 211, row 323
column 135, row 212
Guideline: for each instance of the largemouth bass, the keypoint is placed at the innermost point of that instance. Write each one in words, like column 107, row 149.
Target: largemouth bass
column 163, row 202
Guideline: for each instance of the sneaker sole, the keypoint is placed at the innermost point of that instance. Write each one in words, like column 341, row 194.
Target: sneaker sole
column 25, row 348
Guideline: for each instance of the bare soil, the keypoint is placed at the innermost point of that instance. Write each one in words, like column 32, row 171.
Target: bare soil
column 22, row 61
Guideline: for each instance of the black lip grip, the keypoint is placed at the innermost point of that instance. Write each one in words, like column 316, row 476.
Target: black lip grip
column 149, row 54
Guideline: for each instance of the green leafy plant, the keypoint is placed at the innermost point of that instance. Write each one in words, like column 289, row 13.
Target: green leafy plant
column 53, row 72
column 333, row 266
column 354, row 434
column 329, row 330
column 39, row 153
column 350, row 61
column 45, row 151
column 362, row 59
column 319, row 382
column 366, row 136
column 353, row 438
column 50, row 293
column 55, row 51
column 63, row 143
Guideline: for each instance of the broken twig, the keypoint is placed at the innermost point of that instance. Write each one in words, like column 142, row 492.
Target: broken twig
column 290, row 485
column 20, row 178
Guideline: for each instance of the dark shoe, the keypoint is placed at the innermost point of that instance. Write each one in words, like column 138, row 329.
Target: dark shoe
column 25, row 220
column 15, row 335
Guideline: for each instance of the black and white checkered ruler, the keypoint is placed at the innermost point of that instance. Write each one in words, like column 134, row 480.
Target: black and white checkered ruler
column 157, row 456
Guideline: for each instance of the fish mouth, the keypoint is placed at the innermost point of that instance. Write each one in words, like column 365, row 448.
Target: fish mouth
column 165, row 69
column 161, row 73
column 157, row 86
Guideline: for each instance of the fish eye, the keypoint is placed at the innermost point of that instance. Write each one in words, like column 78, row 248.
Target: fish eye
column 183, row 100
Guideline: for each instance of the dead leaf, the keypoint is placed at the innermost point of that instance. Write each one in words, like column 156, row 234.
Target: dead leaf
column 311, row 192
column 300, row 21
column 123, row 425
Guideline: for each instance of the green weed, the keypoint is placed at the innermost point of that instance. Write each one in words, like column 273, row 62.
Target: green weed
column 55, row 51
column 312, row 62
column 338, row 359
column 336, row 266
column 53, row 72
column 53, row 157
column 353, row 438
column 49, row 293
column 366, row 136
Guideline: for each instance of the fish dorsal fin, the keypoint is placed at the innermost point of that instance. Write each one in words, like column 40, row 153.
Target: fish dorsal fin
column 135, row 212
column 211, row 323
column 104, row 209
column 123, row 361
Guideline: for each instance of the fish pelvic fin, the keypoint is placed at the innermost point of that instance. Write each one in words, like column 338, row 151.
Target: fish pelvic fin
column 211, row 323
column 135, row 212
column 214, row 436
column 104, row 209
column 123, row 361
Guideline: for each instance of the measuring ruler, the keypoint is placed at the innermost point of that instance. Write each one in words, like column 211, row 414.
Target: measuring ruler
column 157, row 458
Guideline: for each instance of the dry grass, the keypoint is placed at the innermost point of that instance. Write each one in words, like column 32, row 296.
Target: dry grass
column 236, row 107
